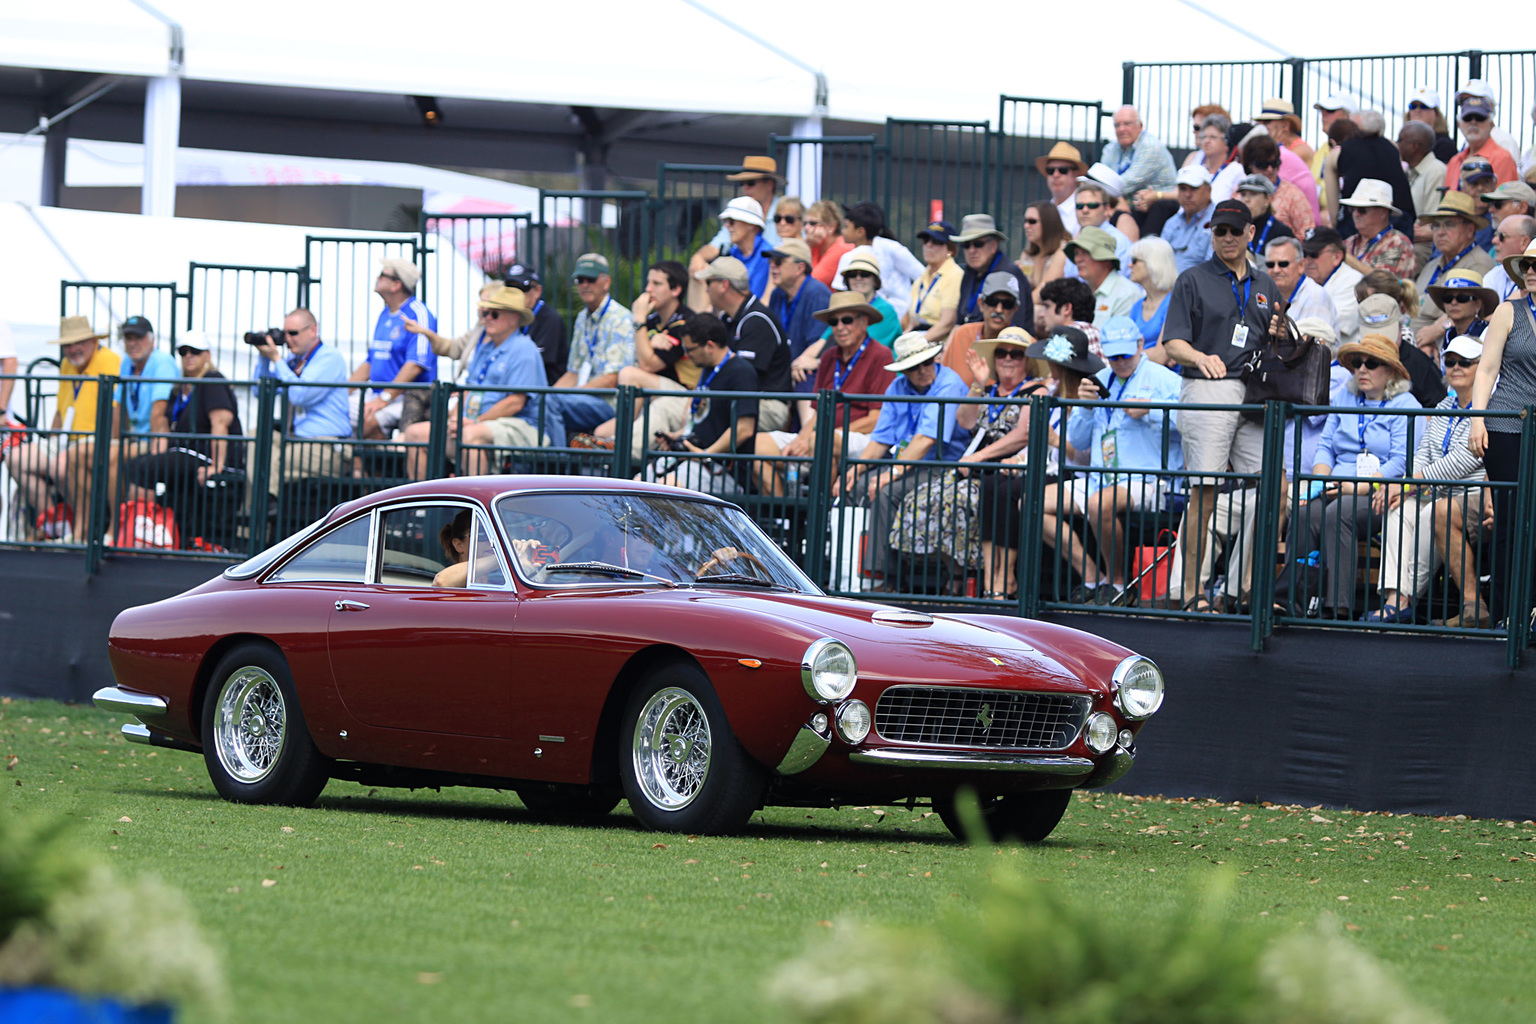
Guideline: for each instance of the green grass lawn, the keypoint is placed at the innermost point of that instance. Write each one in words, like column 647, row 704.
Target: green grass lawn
column 387, row 905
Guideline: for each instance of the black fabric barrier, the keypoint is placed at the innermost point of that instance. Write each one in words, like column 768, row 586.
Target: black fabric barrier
column 1410, row 724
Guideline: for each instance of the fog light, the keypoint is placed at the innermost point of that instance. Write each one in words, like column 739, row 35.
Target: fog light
column 1126, row 739
column 853, row 721
column 1101, row 732
column 819, row 722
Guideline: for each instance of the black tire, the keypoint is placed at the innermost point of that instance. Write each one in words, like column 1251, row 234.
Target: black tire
column 255, row 740
column 682, row 768
column 1027, row 817
column 554, row 800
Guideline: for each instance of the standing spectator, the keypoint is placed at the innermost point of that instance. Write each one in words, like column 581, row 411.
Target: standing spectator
column 1043, row 258
column 797, row 298
column 1220, row 312
column 1256, row 192
column 1339, row 133
column 602, row 344
column 1296, row 209
column 864, row 224
column 1152, row 269
column 999, row 302
column 1377, row 243
column 754, row 334
column 1512, row 237
column 1138, row 156
column 1370, row 157
column 824, row 231
column 314, row 413
column 396, row 354
column 1097, row 193
column 548, row 327
column 1454, row 225
column 719, row 425
column 1279, row 117
column 1068, row 303
column 789, row 218
column 934, row 306
column 1426, row 180
column 1475, row 119
column 1424, row 108
column 1331, row 110
column 494, row 414
column 759, row 180
column 1303, row 296
column 1323, row 255
column 1189, row 230
column 1098, row 265
column 1467, row 304
column 1061, row 168
column 742, row 219
column 1382, row 314
column 982, row 244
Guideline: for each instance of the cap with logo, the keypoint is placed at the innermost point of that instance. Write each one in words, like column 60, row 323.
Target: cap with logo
column 136, row 325
column 1232, row 213
column 590, row 264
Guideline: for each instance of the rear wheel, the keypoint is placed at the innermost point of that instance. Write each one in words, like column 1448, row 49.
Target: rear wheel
column 682, row 767
column 255, row 742
column 1028, row 817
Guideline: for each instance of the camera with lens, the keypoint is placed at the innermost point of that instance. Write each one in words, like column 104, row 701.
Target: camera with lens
column 273, row 335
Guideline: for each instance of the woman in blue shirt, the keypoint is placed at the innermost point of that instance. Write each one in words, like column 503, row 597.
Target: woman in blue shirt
column 1360, row 440
column 1152, row 267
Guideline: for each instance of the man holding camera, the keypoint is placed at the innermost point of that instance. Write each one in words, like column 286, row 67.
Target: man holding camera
column 315, row 413
column 397, row 355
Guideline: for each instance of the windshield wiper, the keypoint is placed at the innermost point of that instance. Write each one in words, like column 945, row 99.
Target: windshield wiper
column 606, row 569
column 736, row 577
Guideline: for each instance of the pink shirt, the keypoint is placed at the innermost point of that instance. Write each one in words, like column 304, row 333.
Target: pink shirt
column 1295, row 170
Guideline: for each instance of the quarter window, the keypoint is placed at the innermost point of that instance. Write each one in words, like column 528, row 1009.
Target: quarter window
column 340, row 556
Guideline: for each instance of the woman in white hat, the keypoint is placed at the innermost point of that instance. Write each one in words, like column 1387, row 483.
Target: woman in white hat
column 1467, row 305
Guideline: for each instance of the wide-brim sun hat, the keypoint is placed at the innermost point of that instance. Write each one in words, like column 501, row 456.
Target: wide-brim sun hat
column 1372, row 192
column 1373, row 346
column 912, row 349
column 1463, row 280
column 75, row 329
column 1064, row 152
column 1016, row 337
column 1067, row 347
column 1512, row 264
column 754, row 167
column 848, row 302
column 509, row 299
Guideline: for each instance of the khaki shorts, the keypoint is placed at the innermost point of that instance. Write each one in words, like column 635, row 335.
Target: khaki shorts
column 515, row 432
column 1214, row 439
column 772, row 414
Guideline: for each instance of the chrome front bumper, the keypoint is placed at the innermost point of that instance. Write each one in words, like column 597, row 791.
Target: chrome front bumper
column 1107, row 770
column 145, row 707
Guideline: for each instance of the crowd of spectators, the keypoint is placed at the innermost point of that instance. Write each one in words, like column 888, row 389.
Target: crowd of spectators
column 1139, row 283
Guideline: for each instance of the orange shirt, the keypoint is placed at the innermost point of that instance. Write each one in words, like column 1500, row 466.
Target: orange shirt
column 958, row 347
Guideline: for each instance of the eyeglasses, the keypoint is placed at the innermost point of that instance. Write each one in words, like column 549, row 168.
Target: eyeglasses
column 1009, row 353
column 1368, row 363
column 1225, row 231
column 1116, row 359
column 1274, row 264
column 1416, row 105
column 586, row 280
column 184, row 351
column 854, row 275
column 690, row 349
column 1002, row 302
column 977, row 243
column 1088, row 206
column 490, row 314
column 1456, row 362
column 1058, row 169
column 786, row 218
column 388, row 276
column 844, row 321
column 1031, row 220
column 1268, row 165
column 1474, row 118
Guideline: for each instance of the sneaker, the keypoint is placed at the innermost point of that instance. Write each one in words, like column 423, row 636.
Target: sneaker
column 56, row 522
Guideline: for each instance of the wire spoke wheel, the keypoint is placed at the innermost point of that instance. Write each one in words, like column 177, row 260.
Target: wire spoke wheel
column 256, row 742
column 672, row 746
column 250, row 724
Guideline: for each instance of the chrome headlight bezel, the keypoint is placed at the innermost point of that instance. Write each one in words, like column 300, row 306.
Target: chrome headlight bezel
column 854, row 721
column 1138, row 695
column 824, row 683
column 1101, row 732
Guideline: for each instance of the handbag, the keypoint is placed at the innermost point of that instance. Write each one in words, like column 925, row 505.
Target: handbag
column 144, row 525
column 1290, row 368
column 1151, row 565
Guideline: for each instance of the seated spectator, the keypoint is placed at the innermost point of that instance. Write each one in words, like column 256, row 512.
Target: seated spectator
column 144, row 394
column 759, row 180
column 1355, row 443
column 1429, row 525
column 1403, row 293
column 1480, row 89
column 754, row 334
column 1153, row 270
column 1303, row 296
column 1296, row 208
column 1210, row 152
column 982, row 243
column 1043, row 258
column 1333, row 115
column 1120, row 439
column 1098, row 265
column 1477, row 181
column 1475, row 120
column 796, row 298
column 935, row 303
column 999, row 301
column 1323, row 257
column 1065, row 351
column 602, row 344
column 1381, row 314
column 205, row 440
column 789, row 219
column 861, row 274
column 495, row 415
column 1279, row 117
column 1098, row 196
column 1376, row 242
column 1426, row 180
column 719, row 425
column 743, row 221
column 314, row 413
column 913, row 432
column 864, row 225
column 548, row 327
column 396, row 354
column 1257, row 192
column 1060, row 168
column 1370, row 157
column 1512, row 237
column 659, row 363
column 1068, row 303
column 1453, row 226
column 824, row 232
column 1467, row 305
column 53, row 473
column 1189, row 230
column 854, row 364
column 1424, row 108
column 1140, row 158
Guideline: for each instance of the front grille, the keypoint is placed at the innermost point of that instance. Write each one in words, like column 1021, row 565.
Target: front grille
column 953, row 716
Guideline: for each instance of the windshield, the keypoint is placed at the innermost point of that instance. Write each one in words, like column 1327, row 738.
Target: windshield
column 586, row 538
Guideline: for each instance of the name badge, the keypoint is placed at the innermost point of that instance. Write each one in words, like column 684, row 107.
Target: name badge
column 1239, row 335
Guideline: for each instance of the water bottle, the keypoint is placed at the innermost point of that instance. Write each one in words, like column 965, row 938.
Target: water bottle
column 792, row 478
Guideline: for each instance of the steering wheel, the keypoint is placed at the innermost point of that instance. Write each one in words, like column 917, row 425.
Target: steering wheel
column 723, row 555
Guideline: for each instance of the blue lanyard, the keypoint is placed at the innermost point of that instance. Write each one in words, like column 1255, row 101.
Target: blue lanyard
column 297, row 363
column 179, row 405
column 1257, row 245
column 1363, row 420
column 1241, row 299
column 538, row 306
column 1379, row 236
column 1531, row 305
column 1125, row 165
column 594, row 324
column 994, row 411
column 918, row 305
column 790, row 304
column 1450, row 428
column 1299, row 282
column 483, row 366
column 981, row 282
column 135, row 387
column 840, row 373
column 1442, row 268
column 704, row 382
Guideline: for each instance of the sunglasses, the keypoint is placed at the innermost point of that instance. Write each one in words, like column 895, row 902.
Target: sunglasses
column 977, row 243
column 490, row 314
column 1460, row 297
column 852, row 275
column 1281, row 264
column 295, row 334
column 586, row 280
column 1268, row 165
column 1456, row 362
column 786, row 218
column 1060, row 170
column 1416, row 105
column 184, row 351
column 1116, row 359
column 389, row 277
column 1368, row 363
column 845, row 321
column 1008, row 353
column 1031, row 220
column 1088, row 206
column 756, row 181
column 1526, row 266
column 1002, row 302
column 1474, row 118
column 1225, row 231
column 925, row 363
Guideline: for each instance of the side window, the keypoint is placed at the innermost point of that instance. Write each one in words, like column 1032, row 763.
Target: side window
column 486, row 567
column 417, row 543
column 341, row 555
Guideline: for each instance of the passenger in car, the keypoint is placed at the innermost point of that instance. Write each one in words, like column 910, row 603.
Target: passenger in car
column 455, row 540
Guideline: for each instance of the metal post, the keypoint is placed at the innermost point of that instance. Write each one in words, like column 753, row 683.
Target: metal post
column 819, row 514
column 258, row 474
column 437, row 441
column 624, row 433
column 162, row 133
column 1298, row 82
column 106, row 388
column 1474, row 64
column 1128, row 83
column 1032, row 508
column 1517, row 602
column 1266, row 531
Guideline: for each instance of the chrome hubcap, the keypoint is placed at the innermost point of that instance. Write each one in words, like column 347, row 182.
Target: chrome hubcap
column 671, row 748
column 248, row 726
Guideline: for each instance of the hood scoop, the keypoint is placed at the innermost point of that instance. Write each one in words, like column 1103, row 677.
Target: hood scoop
column 901, row 617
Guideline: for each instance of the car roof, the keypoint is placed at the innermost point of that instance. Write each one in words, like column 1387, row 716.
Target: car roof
column 485, row 489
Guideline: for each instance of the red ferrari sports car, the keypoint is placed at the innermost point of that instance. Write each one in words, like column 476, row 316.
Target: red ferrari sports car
column 584, row 640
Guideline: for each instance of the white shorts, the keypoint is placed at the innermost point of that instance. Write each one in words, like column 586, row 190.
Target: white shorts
column 388, row 418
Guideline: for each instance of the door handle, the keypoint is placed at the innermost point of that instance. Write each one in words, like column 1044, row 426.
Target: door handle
column 351, row 606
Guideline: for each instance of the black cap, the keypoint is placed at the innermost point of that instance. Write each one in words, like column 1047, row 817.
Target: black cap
column 135, row 325
column 1232, row 213
column 1319, row 239
column 519, row 276
column 1237, row 133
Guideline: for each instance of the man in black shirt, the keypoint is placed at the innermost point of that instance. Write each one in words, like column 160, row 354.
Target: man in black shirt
column 981, row 244
column 1218, row 316
column 718, row 424
column 548, row 327
column 755, row 334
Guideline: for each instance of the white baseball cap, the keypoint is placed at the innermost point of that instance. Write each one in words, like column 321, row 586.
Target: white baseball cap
column 1476, row 87
column 1425, row 95
column 745, row 209
column 1335, row 101
column 1105, row 177
column 1466, row 346
column 1194, row 175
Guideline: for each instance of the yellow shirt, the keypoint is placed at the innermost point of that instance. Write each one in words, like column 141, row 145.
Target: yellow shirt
column 79, row 395
column 930, row 298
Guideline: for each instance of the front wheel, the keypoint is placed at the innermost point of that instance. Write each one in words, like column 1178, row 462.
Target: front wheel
column 1028, row 817
column 255, row 742
column 681, row 765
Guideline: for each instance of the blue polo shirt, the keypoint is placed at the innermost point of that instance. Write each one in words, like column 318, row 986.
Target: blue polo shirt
column 139, row 397
column 900, row 422
column 317, row 411
column 505, row 369
column 393, row 346
column 1113, row 438
column 1191, row 239
column 798, row 315
column 757, row 263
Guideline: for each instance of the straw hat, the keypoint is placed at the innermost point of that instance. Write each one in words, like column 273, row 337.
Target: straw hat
column 1017, row 337
column 863, row 258
column 754, row 167
column 1062, row 151
column 1373, row 346
column 74, row 329
column 1463, row 280
column 848, row 302
column 912, row 349
column 1455, row 204
column 511, row 299
column 1512, row 264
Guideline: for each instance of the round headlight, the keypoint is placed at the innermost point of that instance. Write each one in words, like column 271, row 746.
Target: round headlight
column 1138, row 687
column 853, row 721
column 1101, row 732
column 828, row 671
